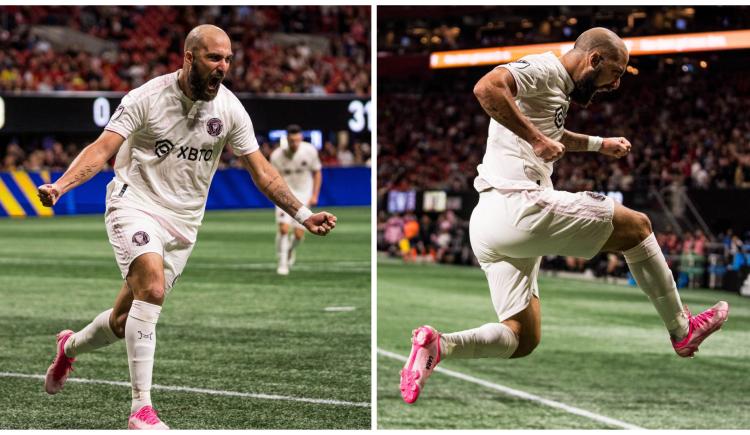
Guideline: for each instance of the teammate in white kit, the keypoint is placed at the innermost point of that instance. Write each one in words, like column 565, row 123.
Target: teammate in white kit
column 168, row 135
column 520, row 217
column 298, row 162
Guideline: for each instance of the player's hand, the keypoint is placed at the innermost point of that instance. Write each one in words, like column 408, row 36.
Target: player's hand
column 312, row 202
column 49, row 194
column 320, row 223
column 548, row 150
column 615, row 147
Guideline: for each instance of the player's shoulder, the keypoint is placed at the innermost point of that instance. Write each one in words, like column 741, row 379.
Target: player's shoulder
column 227, row 97
column 533, row 62
column 152, row 88
column 276, row 153
column 310, row 148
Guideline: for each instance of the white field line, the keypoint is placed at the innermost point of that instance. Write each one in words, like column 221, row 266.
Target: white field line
column 338, row 309
column 523, row 395
column 260, row 396
column 348, row 266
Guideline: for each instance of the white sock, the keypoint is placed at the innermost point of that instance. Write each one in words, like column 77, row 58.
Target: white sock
column 650, row 270
column 283, row 250
column 140, row 339
column 491, row 340
column 96, row 334
column 295, row 243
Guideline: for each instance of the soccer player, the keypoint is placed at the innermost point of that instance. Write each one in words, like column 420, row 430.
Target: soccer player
column 520, row 217
column 168, row 135
column 297, row 161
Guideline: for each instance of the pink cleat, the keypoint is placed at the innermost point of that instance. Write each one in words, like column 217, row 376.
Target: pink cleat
column 58, row 372
column 146, row 418
column 424, row 357
column 701, row 326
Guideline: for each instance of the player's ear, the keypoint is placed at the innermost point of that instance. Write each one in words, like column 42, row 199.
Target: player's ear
column 596, row 59
column 189, row 57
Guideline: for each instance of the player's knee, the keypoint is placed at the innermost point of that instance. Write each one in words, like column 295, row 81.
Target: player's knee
column 283, row 230
column 526, row 346
column 152, row 293
column 641, row 228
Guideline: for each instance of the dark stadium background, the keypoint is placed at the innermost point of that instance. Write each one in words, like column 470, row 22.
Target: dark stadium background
column 684, row 113
column 603, row 348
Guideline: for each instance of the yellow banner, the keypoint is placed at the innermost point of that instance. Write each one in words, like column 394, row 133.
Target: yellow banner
column 662, row 44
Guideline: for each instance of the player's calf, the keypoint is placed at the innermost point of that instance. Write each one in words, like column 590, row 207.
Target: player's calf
column 526, row 346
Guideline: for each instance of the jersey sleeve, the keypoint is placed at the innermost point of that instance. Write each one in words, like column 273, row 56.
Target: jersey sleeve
column 242, row 137
column 528, row 74
column 129, row 117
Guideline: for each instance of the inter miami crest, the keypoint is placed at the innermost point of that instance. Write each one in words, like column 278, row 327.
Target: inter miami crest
column 214, row 126
column 140, row 238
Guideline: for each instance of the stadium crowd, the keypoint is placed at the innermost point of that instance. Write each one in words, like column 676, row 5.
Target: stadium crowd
column 444, row 238
column 51, row 154
column 285, row 49
column 680, row 134
column 412, row 29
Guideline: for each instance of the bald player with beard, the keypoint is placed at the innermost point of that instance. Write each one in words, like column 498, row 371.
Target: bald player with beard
column 520, row 217
column 168, row 135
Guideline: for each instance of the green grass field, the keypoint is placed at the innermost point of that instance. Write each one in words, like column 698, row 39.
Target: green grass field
column 230, row 324
column 603, row 350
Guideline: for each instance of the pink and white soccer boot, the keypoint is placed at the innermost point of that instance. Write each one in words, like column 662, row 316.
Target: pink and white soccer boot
column 58, row 372
column 146, row 418
column 700, row 327
column 424, row 357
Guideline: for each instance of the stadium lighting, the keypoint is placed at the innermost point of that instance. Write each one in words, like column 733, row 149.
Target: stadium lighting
column 640, row 46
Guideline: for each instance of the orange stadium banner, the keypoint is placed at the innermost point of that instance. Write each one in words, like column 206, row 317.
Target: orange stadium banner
column 662, row 44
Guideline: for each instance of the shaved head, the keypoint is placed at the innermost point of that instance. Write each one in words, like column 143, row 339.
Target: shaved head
column 603, row 40
column 597, row 61
column 199, row 37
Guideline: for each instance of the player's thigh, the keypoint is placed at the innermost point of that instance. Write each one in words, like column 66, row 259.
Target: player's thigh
column 146, row 278
column 535, row 223
column 630, row 228
column 513, row 284
column 133, row 233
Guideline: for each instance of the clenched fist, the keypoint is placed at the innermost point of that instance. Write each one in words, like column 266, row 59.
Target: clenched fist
column 548, row 150
column 49, row 194
column 320, row 223
column 615, row 147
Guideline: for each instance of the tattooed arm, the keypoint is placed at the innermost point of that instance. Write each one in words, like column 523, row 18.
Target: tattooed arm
column 611, row 146
column 268, row 180
column 496, row 92
column 88, row 163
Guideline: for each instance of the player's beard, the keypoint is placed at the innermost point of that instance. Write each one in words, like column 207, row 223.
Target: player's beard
column 199, row 85
column 585, row 88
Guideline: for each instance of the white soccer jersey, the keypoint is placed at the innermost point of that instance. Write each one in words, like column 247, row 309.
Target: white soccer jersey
column 298, row 168
column 509, row 162
column 173, row 145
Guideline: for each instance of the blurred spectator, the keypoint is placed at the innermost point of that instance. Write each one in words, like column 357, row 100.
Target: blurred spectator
column 433, row 137
column 284, row 49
